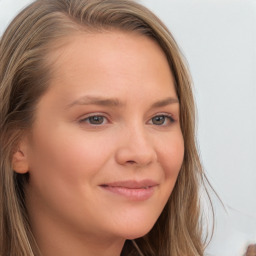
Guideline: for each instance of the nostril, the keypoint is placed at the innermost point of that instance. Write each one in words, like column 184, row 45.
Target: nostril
column 135, row 156
column 131, row 162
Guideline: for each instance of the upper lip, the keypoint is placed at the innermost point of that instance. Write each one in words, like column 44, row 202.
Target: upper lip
column 131, row 184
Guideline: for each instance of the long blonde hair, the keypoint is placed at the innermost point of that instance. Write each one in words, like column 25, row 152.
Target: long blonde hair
column 24, row 76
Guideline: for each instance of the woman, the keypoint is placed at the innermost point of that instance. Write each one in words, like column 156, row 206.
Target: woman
column 98, row 155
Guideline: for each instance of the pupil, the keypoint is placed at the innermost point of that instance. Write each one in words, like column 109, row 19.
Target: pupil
column 96, row 119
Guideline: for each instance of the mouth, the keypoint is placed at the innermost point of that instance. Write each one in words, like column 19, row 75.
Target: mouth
column 132, row 190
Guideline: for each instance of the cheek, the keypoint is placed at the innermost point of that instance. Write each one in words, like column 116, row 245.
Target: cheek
column 67, row 153
column 65, row 165
column 171, row 156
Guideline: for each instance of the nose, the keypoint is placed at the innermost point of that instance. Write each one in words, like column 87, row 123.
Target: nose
column 135, row 149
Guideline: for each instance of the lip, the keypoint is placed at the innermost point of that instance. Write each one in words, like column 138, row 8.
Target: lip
column 132, row 189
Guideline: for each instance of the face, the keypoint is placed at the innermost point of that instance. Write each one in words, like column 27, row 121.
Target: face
column 106, row 147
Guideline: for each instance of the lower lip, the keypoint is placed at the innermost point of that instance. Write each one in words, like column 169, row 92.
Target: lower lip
column 135, row 194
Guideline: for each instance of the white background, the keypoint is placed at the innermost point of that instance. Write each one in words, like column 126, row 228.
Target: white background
column 218, row 39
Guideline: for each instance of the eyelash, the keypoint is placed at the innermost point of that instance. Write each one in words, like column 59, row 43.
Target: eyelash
column 86, row 120
column 166, row 117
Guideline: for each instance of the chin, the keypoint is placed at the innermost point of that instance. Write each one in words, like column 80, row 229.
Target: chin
column 136, row 235
column 137, row 231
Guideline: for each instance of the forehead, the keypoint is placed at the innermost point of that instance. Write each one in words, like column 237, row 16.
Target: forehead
column 109, row 44
column 111, row 61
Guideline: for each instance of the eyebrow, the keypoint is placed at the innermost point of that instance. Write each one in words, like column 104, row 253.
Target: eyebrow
column 165, row 102
column 113, row 102
column 95, row 100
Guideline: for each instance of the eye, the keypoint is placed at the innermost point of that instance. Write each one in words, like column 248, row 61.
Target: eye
column 94, row 120
column 162, row 120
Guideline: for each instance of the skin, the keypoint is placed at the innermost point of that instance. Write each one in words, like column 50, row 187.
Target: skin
column 69, row 155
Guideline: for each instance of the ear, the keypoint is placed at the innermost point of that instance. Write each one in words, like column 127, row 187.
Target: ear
column 20, row 159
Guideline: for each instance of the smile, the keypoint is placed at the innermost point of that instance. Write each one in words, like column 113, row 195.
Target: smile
column 132, row 190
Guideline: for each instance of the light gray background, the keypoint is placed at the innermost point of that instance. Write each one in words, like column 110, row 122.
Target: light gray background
column 218, row 38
